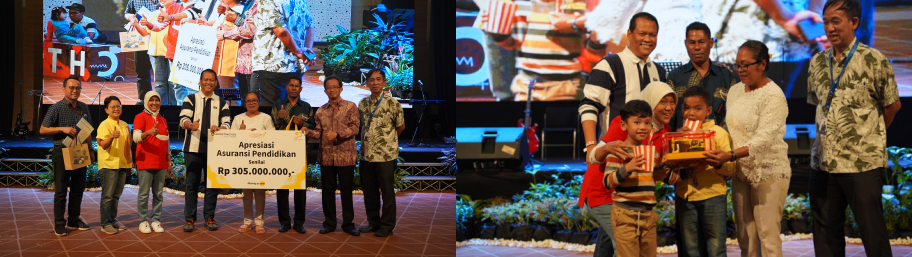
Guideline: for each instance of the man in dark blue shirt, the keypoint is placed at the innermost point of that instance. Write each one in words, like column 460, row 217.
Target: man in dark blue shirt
column 701, row 72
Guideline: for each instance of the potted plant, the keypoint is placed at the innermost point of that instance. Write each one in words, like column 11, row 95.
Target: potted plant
column 349, row 51
column 665, row 222
column 795, row 211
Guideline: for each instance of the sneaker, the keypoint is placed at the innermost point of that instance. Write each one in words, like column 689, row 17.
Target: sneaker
column 157, row 227
column 60, row 230
column 80, row 225
column 119, row 226
column 109, row 229
column 144, row 227
column 210, row 224
column 188, row 227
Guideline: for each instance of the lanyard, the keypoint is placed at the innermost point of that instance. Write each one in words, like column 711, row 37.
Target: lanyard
column 376, row 106
column 836, row 81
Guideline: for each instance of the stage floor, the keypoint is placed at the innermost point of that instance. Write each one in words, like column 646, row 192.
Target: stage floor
column 424, row 228
column 789, row 249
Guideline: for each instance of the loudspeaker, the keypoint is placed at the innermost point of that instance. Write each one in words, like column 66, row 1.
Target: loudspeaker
column 800, row 138
column 491, row 148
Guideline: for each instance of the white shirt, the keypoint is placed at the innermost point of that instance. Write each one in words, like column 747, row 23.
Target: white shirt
column 87, row 23
column 757, row 119
column 261, row 121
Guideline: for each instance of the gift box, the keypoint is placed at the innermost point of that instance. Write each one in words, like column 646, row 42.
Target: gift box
column 649, row 152
column 687, row 145
column 500, row 17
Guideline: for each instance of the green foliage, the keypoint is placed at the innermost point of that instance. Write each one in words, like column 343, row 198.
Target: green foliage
column 664, row 192
column 557, row 189
column 178, row 165
column 449, row 161
column 400, row 79
column 898, row 174
column 665, row 214
column 465, row 209
column 398, row 181
column 796, row 207
column 892, row 212
column 313, row 173
column 348, row 51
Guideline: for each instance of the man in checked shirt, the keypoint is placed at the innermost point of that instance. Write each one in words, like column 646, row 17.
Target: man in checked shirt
column 337, row 124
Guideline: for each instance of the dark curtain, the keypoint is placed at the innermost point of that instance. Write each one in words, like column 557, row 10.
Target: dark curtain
column 442, row 25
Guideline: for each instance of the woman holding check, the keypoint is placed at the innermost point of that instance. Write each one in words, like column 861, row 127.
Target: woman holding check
column 252, row 120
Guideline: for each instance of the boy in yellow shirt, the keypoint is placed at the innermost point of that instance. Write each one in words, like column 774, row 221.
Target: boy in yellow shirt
column 114, row 162
column 700, row 205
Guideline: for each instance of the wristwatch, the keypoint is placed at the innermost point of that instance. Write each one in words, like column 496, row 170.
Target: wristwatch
column 573, row 25
column 734, row 157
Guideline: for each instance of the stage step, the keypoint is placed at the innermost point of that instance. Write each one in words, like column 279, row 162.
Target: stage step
column 23, row 164
column 425, row 168
column 438, row 183
column 22, row 178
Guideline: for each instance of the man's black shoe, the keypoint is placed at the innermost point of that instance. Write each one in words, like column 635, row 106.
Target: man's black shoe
column 383, row 233
column 299, row 228
column 368, row 229
column 325, row 230
column 351, row 231
column 284, row 228
column 61, row 230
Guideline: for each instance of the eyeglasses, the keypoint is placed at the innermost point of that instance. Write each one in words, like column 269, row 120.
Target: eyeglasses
column 744, row 67
column 112, row 107
column 75, row 89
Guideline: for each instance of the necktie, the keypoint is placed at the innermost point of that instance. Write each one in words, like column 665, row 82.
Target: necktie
column 204, row 125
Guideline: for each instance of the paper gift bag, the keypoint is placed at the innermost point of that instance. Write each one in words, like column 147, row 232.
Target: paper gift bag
column 649, row 152
column 77, row 156
column 500, row 18
column 133, row 41
column 692, row 125
column 225, row 58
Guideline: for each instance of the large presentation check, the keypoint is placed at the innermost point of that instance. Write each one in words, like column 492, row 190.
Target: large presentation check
column 268, row 159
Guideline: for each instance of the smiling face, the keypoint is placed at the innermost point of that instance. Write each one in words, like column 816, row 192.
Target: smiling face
column 72, row 89
column 252, row 102
column 333, row 89
column 637, row 128
column 665, row 108
column 642, row 39
column 113, row 109
column 208, row 82
column 376, row 82
column 840, row 29
column 749, row 70
column 695, row 108
column 698, row 45
column 154, row 103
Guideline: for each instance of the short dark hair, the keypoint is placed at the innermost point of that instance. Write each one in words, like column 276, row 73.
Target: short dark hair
column 852, row 8
column 328, row 78
column 73, row 77
column 57, row 11
column 635, row 108
column 698, row 91
column 644, row 15
column 760, row 51
column 295, row 78
column 109, row 99
column 698, row 26
column 254, row 93
column 372, row 71
column 214, row 74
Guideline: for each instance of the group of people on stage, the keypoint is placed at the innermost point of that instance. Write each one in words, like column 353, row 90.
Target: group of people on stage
column 378, row 117
column 637, row 102
column 274, row 39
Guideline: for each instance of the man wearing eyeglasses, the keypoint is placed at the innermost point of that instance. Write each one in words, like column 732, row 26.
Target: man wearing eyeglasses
column 337, row 124
column 60, row 122
column 292, row 113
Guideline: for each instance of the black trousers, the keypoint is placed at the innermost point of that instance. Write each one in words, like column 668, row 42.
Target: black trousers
column 75, row 180
column 830, row 193
column 377, row 178
column 346, row 176
column 143, row 73
column 196, row 162
column 300, row 200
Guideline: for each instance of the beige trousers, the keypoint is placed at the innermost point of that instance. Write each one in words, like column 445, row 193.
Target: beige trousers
column 634, row 232
column 758, row 211
column 249, row 195
column 544, row 90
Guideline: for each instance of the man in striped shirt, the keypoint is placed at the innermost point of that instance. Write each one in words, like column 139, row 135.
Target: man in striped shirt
column 199, row 112
column 547, row 46
column 632, row 216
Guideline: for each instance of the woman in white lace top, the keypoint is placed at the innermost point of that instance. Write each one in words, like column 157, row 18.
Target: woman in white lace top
column 253, row 119
column 756, row 121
